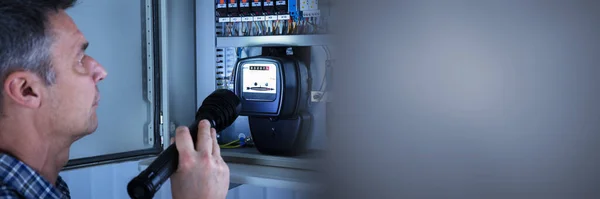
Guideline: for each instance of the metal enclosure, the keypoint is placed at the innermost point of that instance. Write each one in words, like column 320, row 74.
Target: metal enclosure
column 131, row 113
column 209, row 39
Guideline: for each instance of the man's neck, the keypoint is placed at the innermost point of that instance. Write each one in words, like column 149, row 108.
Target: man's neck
column 44, row 154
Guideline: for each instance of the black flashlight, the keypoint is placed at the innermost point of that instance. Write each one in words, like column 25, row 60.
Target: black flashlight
column 221, row 108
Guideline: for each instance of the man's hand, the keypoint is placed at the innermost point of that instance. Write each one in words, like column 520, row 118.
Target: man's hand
column 202, row 173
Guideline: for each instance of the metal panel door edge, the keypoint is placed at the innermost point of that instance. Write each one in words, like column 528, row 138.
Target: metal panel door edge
column 155, row 82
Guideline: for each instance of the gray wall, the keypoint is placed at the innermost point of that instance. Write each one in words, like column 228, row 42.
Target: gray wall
column 467, row 99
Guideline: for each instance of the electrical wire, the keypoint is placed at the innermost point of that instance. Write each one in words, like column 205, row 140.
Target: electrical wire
column 327, row 52
column 241, row 142
column 257, row 28
column 315, row 25
column 289, row 26
column 327, row 66
column 231, row 145
column 249, row 28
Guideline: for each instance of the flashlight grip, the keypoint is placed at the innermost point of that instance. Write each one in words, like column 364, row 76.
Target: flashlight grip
column 221, row 109
column 148, row 182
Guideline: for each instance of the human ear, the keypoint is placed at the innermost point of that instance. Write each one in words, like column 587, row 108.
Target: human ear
column 24, row 88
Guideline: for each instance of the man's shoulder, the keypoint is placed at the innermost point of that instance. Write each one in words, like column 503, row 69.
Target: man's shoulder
column 7, row 192
column 17, row 180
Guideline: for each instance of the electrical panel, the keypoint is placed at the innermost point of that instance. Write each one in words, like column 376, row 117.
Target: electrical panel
column 282, row 20
column 226, row 59
column 269, row 17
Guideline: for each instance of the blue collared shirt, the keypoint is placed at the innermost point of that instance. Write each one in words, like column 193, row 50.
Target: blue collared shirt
column 18, row 180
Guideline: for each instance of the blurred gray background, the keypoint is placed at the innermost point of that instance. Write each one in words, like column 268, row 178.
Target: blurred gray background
column 466, row 99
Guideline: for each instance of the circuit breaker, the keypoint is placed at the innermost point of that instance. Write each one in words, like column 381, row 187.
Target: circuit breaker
column 293, row 9
column 281, row 6
column 309, row 8
column 233, row 8
column 245, row 9
column 221, row 8
column 269, row 17
column 268, row 6
column 309, row 5
column 257, row 7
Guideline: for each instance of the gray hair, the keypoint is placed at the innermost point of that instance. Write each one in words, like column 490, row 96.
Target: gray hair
column 25, row 37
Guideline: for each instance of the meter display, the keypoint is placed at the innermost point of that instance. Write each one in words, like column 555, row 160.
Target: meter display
column 260, row 78
column 274, row 92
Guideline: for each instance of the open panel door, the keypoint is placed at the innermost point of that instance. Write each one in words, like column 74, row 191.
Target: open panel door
column 124, row 37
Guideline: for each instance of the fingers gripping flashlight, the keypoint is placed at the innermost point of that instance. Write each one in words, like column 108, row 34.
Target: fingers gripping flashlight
column 221, row 108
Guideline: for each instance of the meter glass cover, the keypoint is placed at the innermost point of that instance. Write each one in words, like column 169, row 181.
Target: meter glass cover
column 260, row 78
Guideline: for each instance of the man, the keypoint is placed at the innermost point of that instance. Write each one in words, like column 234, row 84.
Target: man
column 49, row 98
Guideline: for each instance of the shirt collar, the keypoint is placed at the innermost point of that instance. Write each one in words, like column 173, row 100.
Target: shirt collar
column 27, row 182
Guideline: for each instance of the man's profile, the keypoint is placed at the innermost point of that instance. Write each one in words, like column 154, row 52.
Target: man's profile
column 49, row 97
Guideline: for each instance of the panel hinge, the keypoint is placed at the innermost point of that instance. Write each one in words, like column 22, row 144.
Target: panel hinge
column 161, row 130
column 161, row 118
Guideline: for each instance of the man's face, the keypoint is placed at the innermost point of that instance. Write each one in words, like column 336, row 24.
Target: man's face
column 73, row 99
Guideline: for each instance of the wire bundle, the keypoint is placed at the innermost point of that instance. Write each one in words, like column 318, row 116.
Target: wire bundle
column 292, row 26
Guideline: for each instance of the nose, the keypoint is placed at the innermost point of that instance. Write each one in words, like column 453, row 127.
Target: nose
column 99, row 71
